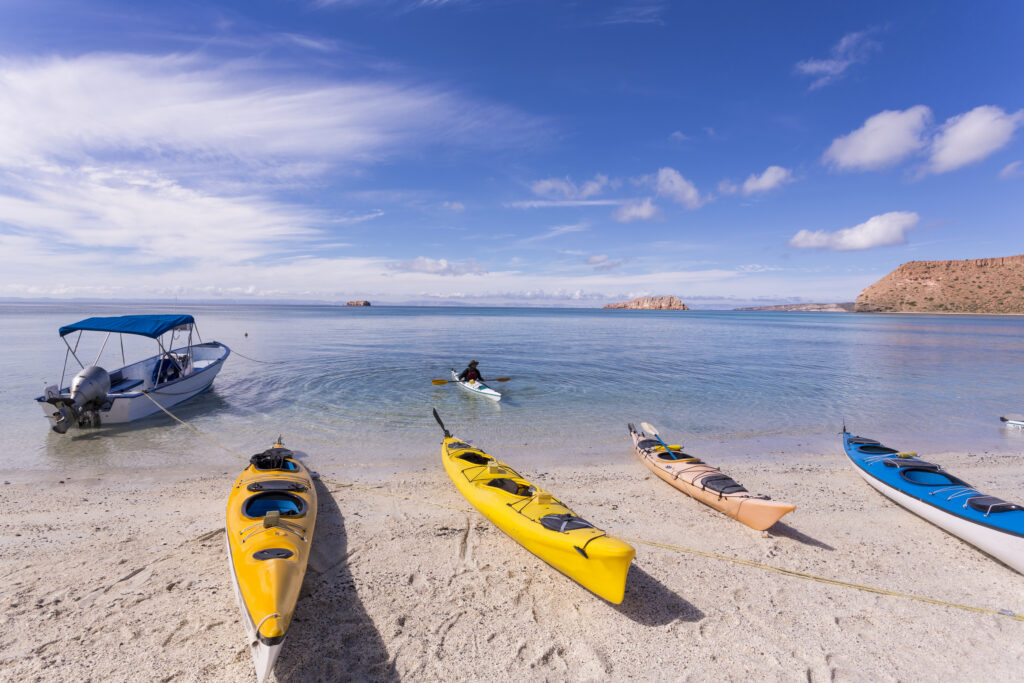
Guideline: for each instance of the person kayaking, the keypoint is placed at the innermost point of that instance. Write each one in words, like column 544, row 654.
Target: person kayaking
column 471, row 373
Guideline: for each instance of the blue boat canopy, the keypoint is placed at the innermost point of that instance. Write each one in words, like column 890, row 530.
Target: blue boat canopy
column 145, row 325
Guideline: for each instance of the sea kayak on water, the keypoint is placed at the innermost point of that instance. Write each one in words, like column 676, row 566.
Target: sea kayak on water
column 986, row 522
column 475, row 387
column 270, row 517
column 706, row 483
column 537, row 520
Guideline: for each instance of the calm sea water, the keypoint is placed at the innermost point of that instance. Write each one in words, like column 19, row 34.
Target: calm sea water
column 351, row 386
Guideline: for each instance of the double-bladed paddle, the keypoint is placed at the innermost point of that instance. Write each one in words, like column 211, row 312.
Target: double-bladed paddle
column 649, row 428
column 439, row 382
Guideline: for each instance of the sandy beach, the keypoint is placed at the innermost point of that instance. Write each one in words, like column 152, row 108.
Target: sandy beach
column 123, row 577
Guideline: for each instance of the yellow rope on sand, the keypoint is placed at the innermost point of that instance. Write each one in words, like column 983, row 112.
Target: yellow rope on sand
column 822, row 579
column 655, row 544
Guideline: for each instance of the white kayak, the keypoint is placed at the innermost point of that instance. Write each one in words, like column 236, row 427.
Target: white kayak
column 478, row 388
column 1015, row 421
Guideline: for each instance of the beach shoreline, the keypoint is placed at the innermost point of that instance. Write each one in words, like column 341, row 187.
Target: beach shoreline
column 123, row 576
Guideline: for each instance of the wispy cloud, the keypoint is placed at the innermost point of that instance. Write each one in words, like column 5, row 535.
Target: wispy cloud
column 362, row 218
column 564, row 188
column 557, row 231
column 972, row 136
column 885, row 230
column 422, row 264
column 1011, row 170
column 853, row 48
column 636, row 210
column 883, row 140
column 546, row 203
column 637, row 12
column 182, row 109
column 455, row 207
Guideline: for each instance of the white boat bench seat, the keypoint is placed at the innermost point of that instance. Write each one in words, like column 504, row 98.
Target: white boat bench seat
column 124, row 386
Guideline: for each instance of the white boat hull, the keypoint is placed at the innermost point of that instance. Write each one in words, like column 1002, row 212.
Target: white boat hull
column 1007, row 548
column 135, row 405
column 478, row 388
column 264, row 657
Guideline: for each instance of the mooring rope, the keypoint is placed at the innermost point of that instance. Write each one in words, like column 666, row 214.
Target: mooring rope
column 664, row 546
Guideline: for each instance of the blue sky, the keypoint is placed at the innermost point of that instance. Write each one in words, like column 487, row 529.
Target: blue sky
column 503, row 152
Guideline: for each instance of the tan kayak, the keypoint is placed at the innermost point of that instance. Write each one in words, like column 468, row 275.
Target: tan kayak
column 706, row 483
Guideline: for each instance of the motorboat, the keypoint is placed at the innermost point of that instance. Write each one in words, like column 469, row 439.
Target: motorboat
column 95, row 396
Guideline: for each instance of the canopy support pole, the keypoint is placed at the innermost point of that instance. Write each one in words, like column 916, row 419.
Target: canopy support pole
column 102, row 346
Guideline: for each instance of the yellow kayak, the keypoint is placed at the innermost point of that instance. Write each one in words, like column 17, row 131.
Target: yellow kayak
column 270, row 518
column 537, row 520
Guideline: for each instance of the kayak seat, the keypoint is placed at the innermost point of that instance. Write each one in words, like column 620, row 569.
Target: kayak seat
column 511, row 486
column 475, row 458
column 277, row 485
column 861, row 440
column 911, row 462
column 564, row 522
column 721, row 484
column 876, row 449
column 990, row 504
column 285, row 504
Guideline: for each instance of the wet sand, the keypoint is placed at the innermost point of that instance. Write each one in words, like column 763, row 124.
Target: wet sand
column 124, row 577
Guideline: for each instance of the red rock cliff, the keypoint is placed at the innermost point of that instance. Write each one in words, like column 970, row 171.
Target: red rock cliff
column 988, row 285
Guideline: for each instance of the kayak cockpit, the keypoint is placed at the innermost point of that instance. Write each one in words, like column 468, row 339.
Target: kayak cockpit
column 516, row 488
column 284, row 503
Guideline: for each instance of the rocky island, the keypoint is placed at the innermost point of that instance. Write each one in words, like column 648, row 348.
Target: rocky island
column 988, row 285
column 358, row 303
column 804, row 308
column 653, row 303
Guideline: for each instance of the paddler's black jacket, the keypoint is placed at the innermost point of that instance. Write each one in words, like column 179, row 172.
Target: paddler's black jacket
column 470, row 374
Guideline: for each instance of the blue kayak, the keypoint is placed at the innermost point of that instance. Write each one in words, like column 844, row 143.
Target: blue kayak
column 986, row 522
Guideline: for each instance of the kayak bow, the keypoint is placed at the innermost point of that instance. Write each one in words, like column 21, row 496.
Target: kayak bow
column 986, row 522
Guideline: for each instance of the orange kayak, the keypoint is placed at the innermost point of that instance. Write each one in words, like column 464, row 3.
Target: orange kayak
column 707, row 484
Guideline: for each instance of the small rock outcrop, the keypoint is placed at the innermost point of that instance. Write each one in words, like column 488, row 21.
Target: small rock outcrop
column 653, row 303
column 804, row 308
column 358, row 303
column 988, row 285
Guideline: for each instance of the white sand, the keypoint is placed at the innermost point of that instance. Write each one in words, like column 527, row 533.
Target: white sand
column 116, row 579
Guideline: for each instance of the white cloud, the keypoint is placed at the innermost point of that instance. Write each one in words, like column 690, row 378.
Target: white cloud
column 641, row 210
column 548, row 203
column 883, row 140
column 563, row 188
column 456, row 207
column 362, row 218
column 596, row 259
column 556, row 231
column 637, row 12
column 670, row 183
column 771, row 178
column 972, row 136
column 678, row 136
column 853, row 48
column 183, row 110
column 1011, row 170
column 422, row 264
column 884, row 230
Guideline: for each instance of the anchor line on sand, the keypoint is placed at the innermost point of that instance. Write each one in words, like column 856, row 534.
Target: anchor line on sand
column 664, row 546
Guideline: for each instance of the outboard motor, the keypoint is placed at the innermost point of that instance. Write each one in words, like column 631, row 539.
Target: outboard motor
column 89, row 390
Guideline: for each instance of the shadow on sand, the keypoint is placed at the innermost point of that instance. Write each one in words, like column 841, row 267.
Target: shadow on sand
column 780, row 529
column 650, row 603
column 331, row 637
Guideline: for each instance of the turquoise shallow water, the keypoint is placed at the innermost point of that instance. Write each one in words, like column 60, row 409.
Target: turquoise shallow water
column 352, row 385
